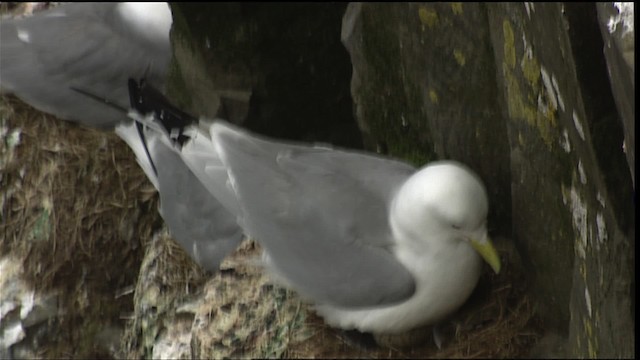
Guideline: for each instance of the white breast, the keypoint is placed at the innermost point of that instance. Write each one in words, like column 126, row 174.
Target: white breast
column 444, row 280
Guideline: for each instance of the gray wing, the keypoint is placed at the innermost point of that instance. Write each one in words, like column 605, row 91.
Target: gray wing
column 195, row 218
column 84, row 45
column 322, row 216
column 201, row 157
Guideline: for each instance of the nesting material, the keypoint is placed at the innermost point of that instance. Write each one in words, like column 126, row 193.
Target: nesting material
column 77, row 208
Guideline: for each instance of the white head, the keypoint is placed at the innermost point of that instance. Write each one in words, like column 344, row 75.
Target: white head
column 442, row 203
column 151, row 20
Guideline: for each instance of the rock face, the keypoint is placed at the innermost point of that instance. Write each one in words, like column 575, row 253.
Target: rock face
column 519, row 92
column 572, row 190
column 444, row 71
column 423, row 88
column 616, row 24
column 286, row 59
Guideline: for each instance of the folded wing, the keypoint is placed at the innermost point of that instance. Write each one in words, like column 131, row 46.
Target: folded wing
column 321, row 214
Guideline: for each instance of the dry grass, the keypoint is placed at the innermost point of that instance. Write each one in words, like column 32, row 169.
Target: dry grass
column 78, row 210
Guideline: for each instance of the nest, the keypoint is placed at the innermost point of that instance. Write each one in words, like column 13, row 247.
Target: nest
column 498, row 321
column 77, row 210
column 81, row 214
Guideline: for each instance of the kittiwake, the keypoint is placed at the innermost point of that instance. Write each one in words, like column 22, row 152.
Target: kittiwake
column 74, row 61
column 375, row 243
column 95, row 47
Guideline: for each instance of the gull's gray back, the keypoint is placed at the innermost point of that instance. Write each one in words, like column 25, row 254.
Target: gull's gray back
column 195, row 218
column 321, row 215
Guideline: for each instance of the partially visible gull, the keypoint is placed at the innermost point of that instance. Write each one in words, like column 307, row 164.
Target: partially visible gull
column 205, row 228
column 56, row 58
column 377, row 245
column 93, row 47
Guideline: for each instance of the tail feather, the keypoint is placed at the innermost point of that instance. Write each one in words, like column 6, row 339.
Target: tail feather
column 180, row 131
column 145, row 99
column 129, row 132
column 200, row 209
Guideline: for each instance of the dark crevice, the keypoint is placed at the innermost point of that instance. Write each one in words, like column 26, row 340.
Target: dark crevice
column 603, row 118
column 290, row 57
column 600, row 108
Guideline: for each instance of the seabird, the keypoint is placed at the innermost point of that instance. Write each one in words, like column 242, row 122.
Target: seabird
column 74, row 61
column 376, row 244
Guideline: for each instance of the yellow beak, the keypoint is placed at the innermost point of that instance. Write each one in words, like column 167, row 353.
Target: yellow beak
column 488, row 252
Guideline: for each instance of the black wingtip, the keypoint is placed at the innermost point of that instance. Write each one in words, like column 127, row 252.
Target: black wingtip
column 99, row 99
column 146, row 99
column 134, row 96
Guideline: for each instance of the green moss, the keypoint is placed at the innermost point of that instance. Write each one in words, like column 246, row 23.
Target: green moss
column 509, row 44
column 523, row 106
column 531, row 70
column 433, row 96
column 394, row 120
column 592, row 341
column 459, row 56
column 518, row 107
column 456, row 7
column 428, row 16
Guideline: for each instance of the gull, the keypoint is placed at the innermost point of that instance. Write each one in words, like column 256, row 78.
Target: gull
column 206, row 229
column 376, row 244
column 74, row 61
column 208, row 234
column 93, row 47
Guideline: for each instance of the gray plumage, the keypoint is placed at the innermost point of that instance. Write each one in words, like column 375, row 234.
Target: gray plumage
column 94, row 47
column 197, row 220
column 293, row 204
column 376, row 244
column 97, row 48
